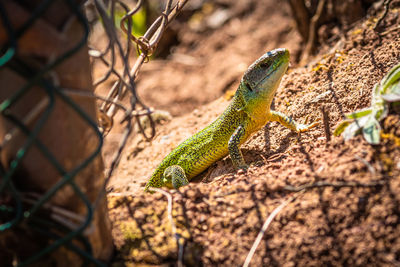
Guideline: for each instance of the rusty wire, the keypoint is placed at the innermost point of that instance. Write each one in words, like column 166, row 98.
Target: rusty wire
column 63, row 226
column 124, row 87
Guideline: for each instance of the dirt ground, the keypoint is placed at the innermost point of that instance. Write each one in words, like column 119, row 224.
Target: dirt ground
column 219, row 215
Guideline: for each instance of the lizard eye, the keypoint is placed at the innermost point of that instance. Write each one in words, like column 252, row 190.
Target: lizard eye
column 248, row 87
column 264, row 65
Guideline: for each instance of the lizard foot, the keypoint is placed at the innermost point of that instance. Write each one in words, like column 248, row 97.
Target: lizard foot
column 301, row 128
column 242, row 169
column 176, row 176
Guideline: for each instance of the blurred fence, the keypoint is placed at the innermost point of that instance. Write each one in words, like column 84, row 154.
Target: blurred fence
column 47, row 111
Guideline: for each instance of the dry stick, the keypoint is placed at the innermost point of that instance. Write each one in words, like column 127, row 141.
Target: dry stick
column 64, row 217
column 302, row 16
column 150, row 39
column 371, row 169
column 389, row 31
column 32, row 114
column 84, row 93
column 336, row 185
column 265, row 227
column 386, row 3
column 300, row 190
column 119, row 104
column 325, row 120
column 99, row 55
column 313, row 31
column 147, row 43
column 175, row 234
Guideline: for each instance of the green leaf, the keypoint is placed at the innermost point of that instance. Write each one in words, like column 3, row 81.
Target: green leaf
column 367, row 120
column 354, row 128
column 391, row 97
column 392, row 77
column 350, row 131
column 371, row 131
column 382, row 112
column 359, row 113
column 138, row 21
column 376, row 91
column 341, row 127
column 394, row 89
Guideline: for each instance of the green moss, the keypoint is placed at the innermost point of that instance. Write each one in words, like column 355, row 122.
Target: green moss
column 130, row 230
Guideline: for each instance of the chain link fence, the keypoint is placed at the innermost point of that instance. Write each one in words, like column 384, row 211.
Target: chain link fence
column 35, row 210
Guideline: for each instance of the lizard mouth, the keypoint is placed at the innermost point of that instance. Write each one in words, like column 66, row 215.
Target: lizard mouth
column 266, row 77
column 271, row 71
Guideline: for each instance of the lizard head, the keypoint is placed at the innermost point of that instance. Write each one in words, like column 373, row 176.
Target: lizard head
column 262, row 78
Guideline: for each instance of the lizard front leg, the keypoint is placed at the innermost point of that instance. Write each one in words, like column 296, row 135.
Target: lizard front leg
column 290, row 123
column 176, row 176
column 234, row 148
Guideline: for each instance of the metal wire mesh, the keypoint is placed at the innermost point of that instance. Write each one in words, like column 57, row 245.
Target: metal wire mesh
column 18, row 207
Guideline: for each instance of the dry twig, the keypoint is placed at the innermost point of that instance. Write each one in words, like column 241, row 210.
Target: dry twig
column 334, row 184
column 325, row 120
column 312, row 35
column 299, row 190
column 171, row 220
column 386, row 4
column 265, row 227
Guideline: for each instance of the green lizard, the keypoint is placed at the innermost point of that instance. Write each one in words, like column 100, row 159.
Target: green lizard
column 248, row 112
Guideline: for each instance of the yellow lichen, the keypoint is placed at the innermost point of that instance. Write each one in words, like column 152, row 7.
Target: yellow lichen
column 391, row 137
column 340, row 56
column 320, row 66
column 114, row 201
column 130, row 230
column 349, row 66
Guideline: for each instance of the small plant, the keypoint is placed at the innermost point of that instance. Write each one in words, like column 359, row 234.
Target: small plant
column 138, row 21
column 367, row 120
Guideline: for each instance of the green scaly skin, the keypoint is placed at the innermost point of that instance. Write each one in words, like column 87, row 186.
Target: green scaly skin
column 248, row 112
